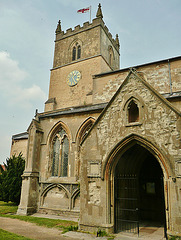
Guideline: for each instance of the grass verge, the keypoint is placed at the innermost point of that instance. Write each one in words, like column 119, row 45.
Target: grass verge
column 4, row 235
column 9, row 210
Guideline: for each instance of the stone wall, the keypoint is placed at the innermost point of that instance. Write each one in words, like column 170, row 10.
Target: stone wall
column 80, row 94
column 64, row 191
column 94, row 39
column 19, row 146
column 90, row 46
column 106, row 43
column 159, row 124
column 156, row 74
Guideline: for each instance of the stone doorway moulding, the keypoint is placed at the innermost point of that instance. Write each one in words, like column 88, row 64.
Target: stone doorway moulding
column 108, row 170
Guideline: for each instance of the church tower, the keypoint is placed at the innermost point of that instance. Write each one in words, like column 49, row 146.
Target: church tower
column 52, row 173
column 79, row 54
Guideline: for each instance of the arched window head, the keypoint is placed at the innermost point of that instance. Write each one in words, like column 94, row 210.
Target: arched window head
column 85, row 130
column 60, row 154
column 133, row 112
column 78, row 52
column 74, row 54
column 82, row 132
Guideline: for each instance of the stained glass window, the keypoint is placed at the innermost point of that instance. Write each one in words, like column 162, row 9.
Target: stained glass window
column 64, row 157
column 56, row 153
column 60, row 154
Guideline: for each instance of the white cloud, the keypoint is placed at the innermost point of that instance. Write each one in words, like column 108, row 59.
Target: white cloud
column 9, row 70
column 11, row 84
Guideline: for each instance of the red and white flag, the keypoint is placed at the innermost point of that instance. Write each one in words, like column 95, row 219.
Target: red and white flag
column 83, row 10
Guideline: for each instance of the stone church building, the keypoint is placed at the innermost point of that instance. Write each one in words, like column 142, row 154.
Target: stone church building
column 107, row 147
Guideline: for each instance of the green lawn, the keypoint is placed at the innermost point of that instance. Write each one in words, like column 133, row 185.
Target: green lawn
column 9, row 210
column 6, row 208
column 4, row 235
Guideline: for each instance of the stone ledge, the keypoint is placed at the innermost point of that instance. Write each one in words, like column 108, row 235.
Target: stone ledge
column 109, row 228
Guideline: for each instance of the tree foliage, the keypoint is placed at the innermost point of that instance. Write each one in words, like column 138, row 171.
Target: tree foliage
column 10, row 179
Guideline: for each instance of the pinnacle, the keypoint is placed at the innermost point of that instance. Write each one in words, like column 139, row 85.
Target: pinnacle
column 117, row 40
column 99, row 12
column 58, row 30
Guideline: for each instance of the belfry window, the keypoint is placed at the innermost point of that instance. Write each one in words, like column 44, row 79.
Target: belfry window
column 78, row 52
column 74, row 54
column 60, row 154
column 133, row 112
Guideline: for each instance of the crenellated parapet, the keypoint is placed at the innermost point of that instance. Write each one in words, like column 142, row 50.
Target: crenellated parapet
column 98, row 21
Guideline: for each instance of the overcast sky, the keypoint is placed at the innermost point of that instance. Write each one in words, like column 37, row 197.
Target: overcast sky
column 149, row 30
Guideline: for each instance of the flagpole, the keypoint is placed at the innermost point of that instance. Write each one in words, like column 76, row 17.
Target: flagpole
column 90, row 14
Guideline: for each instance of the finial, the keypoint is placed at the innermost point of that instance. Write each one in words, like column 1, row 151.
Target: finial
column 117, row 40
column 58, row 30
column 36, row 112
column 99, row 12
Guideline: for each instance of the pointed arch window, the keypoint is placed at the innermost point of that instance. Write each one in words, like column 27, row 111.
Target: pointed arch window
column 76, row 50
column 60, row 154
column 82, row 132
column 133, row 112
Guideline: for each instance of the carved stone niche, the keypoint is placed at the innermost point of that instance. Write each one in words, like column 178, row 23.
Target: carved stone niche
column 94, row 169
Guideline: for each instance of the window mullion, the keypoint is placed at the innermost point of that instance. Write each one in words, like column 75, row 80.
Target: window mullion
column 60, row 160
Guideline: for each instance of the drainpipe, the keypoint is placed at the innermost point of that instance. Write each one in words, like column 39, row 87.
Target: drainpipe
column 170, row 77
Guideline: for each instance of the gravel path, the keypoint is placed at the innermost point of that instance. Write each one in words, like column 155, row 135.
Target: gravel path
column 31, row 230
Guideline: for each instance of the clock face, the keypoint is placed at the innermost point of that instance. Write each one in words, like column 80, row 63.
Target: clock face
column 73, row 78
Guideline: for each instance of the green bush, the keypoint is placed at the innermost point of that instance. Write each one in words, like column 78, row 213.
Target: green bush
column 70, row 228
column 10, row 179
column 174, row 238
column 101, row 233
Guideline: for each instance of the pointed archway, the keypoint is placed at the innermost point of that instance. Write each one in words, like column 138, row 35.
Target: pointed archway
column 139, row 193
column 138, row 159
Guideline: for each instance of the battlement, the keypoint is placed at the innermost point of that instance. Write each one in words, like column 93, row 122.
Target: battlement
column 86, row 26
